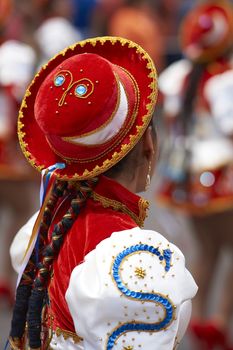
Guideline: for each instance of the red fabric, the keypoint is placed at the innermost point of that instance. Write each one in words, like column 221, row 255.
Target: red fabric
column 84, row 153
column 210, row 334
column 93, row 224
column 197, row 199
column 76, row 116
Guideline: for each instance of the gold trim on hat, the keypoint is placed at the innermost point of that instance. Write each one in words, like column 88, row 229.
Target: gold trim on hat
column 125, row 148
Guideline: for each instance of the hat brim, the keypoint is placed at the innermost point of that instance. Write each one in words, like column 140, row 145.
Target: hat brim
column 119, row 51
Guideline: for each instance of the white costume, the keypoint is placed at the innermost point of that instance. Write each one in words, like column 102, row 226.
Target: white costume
column 133, row 287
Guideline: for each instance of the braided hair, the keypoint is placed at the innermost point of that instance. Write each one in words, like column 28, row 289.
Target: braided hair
column 32, row 290
column 185, row 115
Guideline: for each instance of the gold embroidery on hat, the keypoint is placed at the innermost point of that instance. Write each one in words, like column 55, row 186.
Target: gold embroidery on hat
column 118, row 138
column 71, row 84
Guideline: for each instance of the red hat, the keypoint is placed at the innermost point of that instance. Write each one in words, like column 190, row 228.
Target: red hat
column 207, row 31
column 88, row 107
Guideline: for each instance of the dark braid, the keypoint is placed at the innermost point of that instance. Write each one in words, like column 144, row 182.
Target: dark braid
column 50, row 252
column 185, row 116
column 25, row 286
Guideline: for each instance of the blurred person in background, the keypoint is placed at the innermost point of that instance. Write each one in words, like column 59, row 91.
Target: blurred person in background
column 102, row 13
column 17, row 64
column 45, row 25
column 197, row 169
column 153, row 24
column 137, row 21
column 169, row 16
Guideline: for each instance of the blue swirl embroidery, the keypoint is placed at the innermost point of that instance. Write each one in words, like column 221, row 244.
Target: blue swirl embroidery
column 151, row 297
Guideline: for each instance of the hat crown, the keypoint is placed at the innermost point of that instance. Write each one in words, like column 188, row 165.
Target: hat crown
column 75, row 95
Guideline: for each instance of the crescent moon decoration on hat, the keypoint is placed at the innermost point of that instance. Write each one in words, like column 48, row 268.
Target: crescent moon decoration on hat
column 88, row 107
column 207, row 31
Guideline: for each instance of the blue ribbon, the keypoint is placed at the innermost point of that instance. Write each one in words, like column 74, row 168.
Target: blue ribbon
column 45, row 181
column 43, row 190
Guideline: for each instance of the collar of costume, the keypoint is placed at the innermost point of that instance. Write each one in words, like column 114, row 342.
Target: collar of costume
column 113, row 195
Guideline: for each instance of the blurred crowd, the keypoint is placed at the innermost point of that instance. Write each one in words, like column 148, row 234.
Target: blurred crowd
column 31, row 32
column 153, row 24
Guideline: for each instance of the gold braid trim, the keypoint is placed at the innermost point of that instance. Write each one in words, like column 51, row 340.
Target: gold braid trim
column 15, row 343
column 143, row 206
column 67, row 334
column 118, row 206
column 19, row 344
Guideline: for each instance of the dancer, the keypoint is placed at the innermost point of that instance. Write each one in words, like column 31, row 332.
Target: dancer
column 198, row 167
column 17, row 179
column 91, row 277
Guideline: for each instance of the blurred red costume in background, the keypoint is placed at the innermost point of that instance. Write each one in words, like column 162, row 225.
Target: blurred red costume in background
column 197, row 170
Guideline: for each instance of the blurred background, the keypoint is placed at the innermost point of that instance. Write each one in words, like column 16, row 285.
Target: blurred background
column 31, row 32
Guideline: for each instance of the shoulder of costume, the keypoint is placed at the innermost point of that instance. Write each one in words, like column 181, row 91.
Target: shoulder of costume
column 20, row 243
column 108, row 293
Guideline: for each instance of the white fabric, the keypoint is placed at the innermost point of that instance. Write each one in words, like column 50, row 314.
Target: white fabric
column 184, row 318
column 112, row 128
column 210, row 153
column 219, row 93
column 20, row 243
column 171, row 83
column 98, row 307
column 17, row 63
column 96, row 304
column 54, row 35
column 5, row 116
column 209, row 144
column 219, row 30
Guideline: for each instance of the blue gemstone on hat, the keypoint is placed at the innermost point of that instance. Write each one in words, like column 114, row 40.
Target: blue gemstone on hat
column 59, row 80
column 81, row 90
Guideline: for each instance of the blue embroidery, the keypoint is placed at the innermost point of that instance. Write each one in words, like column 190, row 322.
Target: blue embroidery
column 157, row 298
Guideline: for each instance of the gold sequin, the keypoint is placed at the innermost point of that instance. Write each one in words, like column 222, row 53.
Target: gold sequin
column 140, row 272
